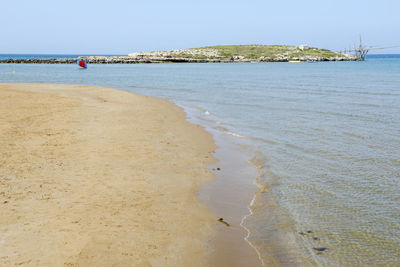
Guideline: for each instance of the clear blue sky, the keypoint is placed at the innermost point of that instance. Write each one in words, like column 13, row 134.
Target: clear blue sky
column 122, row 26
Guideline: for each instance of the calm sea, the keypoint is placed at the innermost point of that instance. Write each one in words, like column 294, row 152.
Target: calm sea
column 325, row 137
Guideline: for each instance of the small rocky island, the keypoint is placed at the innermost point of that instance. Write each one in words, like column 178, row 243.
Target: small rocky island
column 210, row 54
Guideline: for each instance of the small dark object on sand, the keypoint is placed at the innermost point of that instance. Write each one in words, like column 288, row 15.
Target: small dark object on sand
column 315, row 238
column 309, row 231
column 320, row 249
column 224, row 222
column 5, row 202
column 218, row 169
column 302, row 233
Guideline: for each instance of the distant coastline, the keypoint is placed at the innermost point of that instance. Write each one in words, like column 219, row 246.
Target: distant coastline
column 212, row 54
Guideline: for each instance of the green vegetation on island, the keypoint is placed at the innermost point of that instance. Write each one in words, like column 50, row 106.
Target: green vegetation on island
column 248, row 53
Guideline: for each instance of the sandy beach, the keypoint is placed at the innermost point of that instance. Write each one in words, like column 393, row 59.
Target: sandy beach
column 91, row 176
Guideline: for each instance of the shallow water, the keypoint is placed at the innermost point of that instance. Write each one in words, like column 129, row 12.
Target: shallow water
column 326, row 140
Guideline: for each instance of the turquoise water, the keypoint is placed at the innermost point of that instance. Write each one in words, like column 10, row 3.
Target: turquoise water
column 326, row 140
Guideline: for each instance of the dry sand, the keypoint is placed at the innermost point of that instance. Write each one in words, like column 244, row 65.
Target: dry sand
column 92, row 176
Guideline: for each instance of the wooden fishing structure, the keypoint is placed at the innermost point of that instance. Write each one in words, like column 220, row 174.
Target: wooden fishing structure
column 361, row 51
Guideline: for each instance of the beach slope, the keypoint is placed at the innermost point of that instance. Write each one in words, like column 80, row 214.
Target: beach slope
column 91, row 176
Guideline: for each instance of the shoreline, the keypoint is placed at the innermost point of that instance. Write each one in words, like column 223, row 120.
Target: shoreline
column 235, row 195
column 230, row 197
column 83, row 180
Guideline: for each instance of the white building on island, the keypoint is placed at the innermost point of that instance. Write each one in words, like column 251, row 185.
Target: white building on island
column 304, row 47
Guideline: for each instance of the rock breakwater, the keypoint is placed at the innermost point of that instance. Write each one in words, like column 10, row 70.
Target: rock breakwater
column 139, row 60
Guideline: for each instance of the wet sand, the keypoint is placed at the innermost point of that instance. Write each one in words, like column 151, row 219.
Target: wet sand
column 229, row 198
column 91, row 176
